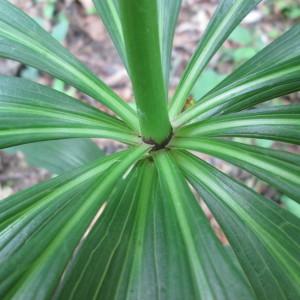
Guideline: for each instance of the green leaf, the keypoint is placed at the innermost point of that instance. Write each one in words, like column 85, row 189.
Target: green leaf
column 272, row 73
column 280, row 123
column 280, row 169
column 292, row 206
column 31, row 112
column 142, row 41
column 199, row 260
column 168, row 15
column 241, row 35
column 277, row 81
column 142, row 249
column 114, row 247
column 206, row 82
column 60, row 30
column 264, row 237
column 46, row 217
column 284, row 48
column 15, row 206
column 60, row 156
column 22, row 39
column 109, row 12
column 243, row 54
column 227, row 17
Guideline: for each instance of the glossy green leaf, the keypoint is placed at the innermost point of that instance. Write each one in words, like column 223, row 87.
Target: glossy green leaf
column 280, row 123
column 142, row 41
column 291, row 205
column 22, row 39
column 113, row 247
column 142, row 248
column 226, row 18
column 17, row 205
column 199, row 261
column 31, row 112
column 280, row 169
column 264, row 237
column 276, row 81
column 284, row 48
column 59, row 156
column 39, row 221
column 168, row 15
column 109, row 12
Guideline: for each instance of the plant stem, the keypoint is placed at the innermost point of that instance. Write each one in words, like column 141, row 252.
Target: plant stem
column 141, row 35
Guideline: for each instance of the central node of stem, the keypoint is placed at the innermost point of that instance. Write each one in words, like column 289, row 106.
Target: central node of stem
column 161, row 145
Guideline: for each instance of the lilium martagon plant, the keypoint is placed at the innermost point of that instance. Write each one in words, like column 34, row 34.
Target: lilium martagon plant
column 129, row 225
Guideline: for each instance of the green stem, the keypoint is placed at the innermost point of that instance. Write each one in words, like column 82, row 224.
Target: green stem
column 141, row 35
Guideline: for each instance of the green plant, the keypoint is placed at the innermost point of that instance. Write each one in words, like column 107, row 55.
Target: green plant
column 128, row 226
column 288, row 8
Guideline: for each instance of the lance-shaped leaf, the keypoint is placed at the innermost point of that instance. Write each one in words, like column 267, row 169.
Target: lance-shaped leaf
column 264, row 237
column 280, row 123
column 168, row 15
column 291, row 205
column 199, row 260
column 22, row 39
column 50, row 222
column 30, row 112
column 286, row 47
column 139, row 243
column 14, row 206
column 227, row 16
column 110, row 15
column 17, row 205
column 113, row 243
column 59, row 156
column 276, row 81
column 270, row 165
